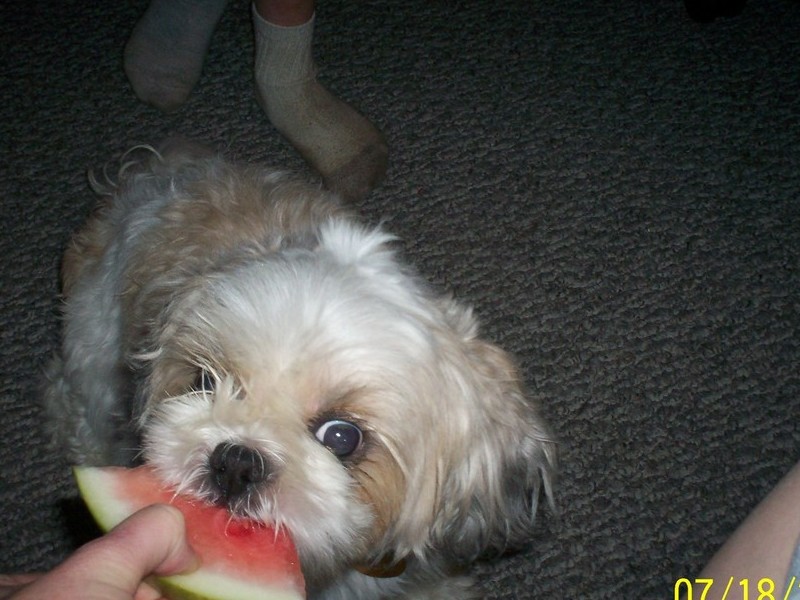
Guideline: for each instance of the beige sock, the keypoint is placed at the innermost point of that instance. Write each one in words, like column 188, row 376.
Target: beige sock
column 348, row 151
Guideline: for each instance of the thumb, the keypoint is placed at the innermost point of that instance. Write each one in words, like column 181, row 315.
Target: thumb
column 152, row 541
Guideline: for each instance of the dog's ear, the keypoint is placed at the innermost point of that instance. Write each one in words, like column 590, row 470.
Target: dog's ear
column 507, row 456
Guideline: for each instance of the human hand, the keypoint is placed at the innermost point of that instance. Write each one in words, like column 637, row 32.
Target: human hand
column 114, row 567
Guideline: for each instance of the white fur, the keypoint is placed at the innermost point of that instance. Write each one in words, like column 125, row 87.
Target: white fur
column 311, row 319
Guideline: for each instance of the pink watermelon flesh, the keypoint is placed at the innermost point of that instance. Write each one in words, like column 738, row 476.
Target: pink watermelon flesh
column 241, row 559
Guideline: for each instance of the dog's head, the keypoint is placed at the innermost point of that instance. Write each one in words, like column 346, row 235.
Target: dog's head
column 324, row 389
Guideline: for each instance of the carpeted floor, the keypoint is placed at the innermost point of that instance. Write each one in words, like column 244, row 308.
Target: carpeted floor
column 615, row 187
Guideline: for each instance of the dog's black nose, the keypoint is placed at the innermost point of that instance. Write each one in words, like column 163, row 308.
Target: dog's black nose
column 236, row 470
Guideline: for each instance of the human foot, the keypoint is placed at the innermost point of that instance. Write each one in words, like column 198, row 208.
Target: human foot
column 164, row 56
column 347, row 150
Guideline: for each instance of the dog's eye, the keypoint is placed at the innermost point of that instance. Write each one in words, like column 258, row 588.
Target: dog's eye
column 204, row 382
column 340, row 437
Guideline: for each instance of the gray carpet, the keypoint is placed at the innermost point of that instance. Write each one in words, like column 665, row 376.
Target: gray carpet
column 615, row 187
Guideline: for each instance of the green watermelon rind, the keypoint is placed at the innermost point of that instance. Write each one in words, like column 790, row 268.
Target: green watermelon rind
column 199, row 585
column 187, row 587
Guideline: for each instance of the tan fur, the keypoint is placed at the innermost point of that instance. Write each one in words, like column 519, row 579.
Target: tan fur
column 86, row 248
column 211, row 222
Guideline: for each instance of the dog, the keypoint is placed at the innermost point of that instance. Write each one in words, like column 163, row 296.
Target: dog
column 245, row 334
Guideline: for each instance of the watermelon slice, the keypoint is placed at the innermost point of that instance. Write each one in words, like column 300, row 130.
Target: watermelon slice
column 240, row 559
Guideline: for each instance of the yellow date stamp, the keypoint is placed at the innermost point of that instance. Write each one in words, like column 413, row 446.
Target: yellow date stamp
column 732, row 589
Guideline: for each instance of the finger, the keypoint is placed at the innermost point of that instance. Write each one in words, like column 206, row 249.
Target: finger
column 147, row 592
column 18, row 579
column 10, row 584
column 151, row 541
column 156, row 538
